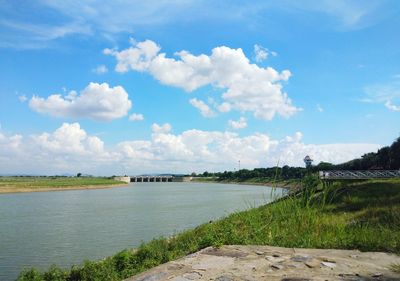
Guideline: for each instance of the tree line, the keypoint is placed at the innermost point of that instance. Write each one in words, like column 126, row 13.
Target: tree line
column 284, row 173
column 387, row 158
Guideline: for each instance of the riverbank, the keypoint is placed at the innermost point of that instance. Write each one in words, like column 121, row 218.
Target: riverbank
column 363, row 216
column 291, row 185
column 42, row 184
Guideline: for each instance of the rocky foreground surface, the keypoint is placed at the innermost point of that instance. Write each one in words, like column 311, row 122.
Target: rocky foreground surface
column 231, row 263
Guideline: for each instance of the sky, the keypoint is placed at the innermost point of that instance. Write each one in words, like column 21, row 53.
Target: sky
column 182, row 86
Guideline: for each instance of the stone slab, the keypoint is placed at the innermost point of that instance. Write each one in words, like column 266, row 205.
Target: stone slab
column 245, row 263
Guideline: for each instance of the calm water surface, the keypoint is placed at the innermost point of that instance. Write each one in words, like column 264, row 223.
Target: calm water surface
column 65, row 228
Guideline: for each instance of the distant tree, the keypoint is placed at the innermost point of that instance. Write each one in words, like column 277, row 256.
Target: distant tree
column 78, row 175
column 323, row 166
column 383, row 160
column 395, row 155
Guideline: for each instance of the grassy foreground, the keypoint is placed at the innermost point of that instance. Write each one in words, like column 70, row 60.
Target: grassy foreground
column 31, row 184
column 364, row 216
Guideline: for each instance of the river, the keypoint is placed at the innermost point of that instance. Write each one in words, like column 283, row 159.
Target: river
column 66, row 227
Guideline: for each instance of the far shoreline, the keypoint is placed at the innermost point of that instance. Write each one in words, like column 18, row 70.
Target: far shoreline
column 19, row 189
column 12, row 189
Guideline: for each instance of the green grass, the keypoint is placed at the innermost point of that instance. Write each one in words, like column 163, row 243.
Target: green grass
column 51, row 182
column 364, row 216
column 395, row 268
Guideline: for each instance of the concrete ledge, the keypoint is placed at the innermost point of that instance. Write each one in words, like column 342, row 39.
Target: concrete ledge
column 231, row 263
column 124, row 179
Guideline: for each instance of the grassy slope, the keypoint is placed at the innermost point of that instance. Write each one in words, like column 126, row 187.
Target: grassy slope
column 363, row 216
column 292, row 183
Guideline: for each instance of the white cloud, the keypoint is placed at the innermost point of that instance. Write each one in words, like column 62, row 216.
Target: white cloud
column 224, row 107
column 261, row 53
column 70, row 149
column 319, row 108
column 10, row 145
column 387, row 94
column 247, row 86
column 240, row 124
column 22, row 98
column 136, row 58
column 136, row 117
column 204, row 109
column 96, row 101
column 383, row 92
column 103, row 18
column 391, row 106
column 291, row 149
column 350, row 14
column 25, row 35
column 38, row 29
column 101, row 69
column 161, row 129
column 124, row 15
column 69, row 139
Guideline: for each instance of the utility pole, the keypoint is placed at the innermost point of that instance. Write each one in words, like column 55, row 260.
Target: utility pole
column 239, row 165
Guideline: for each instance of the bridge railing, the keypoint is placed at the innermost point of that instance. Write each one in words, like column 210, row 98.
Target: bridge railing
column 360, row 174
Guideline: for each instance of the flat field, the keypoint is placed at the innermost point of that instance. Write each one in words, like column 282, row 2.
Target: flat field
column 32, row 184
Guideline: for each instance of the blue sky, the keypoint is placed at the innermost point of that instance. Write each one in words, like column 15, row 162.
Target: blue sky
column 181, row 86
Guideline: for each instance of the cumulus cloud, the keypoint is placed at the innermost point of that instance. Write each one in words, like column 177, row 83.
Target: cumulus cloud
column 246, row 86
column 320, row 108
column 290, row 150
column 96, row 101
column 138, row 57
column 70, row 149
column 136, row 117
column 10, row 145
column 204, row 109
column 240, row 124
column 101, row 69
column 69, row 139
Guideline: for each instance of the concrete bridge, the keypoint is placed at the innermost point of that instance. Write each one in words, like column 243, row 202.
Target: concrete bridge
column 152, row 179
column 166, row 178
